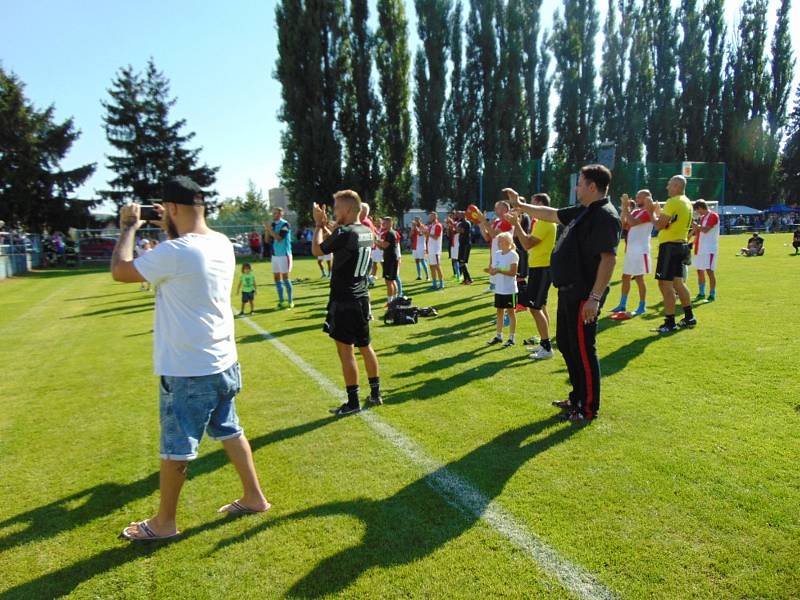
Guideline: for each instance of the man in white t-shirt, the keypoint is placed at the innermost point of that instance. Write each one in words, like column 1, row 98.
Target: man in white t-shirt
column 435, row 234
column 706, row 250
column 194, row 348
column 638, row 223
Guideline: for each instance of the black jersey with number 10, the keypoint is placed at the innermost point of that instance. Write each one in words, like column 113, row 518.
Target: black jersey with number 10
column 351, row 246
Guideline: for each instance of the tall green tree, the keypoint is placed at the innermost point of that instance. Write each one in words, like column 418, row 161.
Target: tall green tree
column 790, row 160
column 150, row 147
column 485, row 38
column 431, row 82
column 748, row 88
column 716, row 33
column 531, row 59
column 393, row 61
column 663, row 128
column 540, row 136
column 613, row 76
column 310, row 69
column 358, row 116
column 473, row 109
column 455, row 116
column 693, row 70
column 639, row 90
column 512, row 121
column 34, row 189
column 577, row 115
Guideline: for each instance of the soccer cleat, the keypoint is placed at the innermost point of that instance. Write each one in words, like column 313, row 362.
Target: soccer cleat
column 667, row 328
column 375, row 401
column 639, row 311
column 541, row 354
column 562, row 404
column 494, row 340
column 281, row 304
column 508, row 343
column 419, row 278
column 531, row 341
column 699, row 297
column 344, row 410
column 711, row 298
column 574, row 417
column 684, row 322
column 290, row 305
column 618, row 308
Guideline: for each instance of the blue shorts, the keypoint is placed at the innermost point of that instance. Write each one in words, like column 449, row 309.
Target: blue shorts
column 190, row 406
column 248, row 297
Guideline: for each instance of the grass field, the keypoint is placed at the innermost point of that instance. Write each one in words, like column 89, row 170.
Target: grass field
column 687, row 486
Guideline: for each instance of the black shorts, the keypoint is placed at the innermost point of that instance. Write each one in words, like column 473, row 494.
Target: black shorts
column 672, row 258
column 537, row 288
column 390, row 270
column 463, row 253
column 248, row 296
column 505, row 300
column 348, row 321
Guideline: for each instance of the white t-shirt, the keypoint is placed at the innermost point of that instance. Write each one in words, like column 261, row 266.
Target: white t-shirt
column 505, row 284
column 708, row 243
column 193, row 330
column 638, row 240
column 435, row 244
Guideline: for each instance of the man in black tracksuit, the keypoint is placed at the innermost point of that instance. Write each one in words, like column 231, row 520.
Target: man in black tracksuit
column 582, row 263
column 464, row 247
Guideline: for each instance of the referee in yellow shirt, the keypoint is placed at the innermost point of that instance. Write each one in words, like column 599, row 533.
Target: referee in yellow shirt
column 674, row 252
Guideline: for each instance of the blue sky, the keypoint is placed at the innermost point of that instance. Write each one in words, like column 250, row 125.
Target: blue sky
column 218, row 56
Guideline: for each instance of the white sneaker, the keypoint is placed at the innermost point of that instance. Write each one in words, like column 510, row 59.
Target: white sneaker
column 541, row 354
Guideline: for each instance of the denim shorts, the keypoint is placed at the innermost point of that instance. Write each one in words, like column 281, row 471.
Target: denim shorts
column 190, row 406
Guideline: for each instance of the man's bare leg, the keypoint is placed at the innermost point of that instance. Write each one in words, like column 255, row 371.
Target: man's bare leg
column 241, row 456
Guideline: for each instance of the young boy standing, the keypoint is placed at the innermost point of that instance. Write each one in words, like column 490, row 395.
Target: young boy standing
column 505, row 262
column 247, row 284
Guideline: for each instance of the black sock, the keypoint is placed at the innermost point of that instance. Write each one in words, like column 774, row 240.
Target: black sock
column 465, row 272
column 375, row 387
column 352, row 395
column 546, row 345
column 688, row 312
column 669, row 320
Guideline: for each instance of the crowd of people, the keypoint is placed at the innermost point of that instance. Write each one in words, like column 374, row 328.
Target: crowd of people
column 194, row 269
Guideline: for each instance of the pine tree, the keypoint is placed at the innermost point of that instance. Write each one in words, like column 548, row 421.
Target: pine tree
column 150, row 146
column 358, row 114
column 473, row 109
column 392, row 59
column 693, row 69
column 790, row 161
column 716, row 32
column 485, row 38
column 33, row 187
column 577, row 115
column 310, row 69
column 663, row 139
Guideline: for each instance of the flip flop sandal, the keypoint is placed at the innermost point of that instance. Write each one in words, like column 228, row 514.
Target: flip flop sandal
column 146, row 534
column 237, row 508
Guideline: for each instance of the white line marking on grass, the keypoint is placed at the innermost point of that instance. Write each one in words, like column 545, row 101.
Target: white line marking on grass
column 461, row 494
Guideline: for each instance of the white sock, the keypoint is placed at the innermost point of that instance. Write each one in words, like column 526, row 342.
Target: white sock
column 511, row 336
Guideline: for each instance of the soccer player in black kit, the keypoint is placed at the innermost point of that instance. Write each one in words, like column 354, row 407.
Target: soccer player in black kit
column 347, row 321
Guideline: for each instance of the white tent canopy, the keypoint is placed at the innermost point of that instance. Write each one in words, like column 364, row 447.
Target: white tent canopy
column 738, row 209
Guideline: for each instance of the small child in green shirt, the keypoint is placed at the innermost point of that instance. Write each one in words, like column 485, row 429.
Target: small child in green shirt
column 247, row 283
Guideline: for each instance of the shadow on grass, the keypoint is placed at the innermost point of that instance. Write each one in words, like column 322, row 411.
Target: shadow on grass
column 433, row 387
column 117, row 310
column 57, row 517
column 423, row 516
column 103, row 296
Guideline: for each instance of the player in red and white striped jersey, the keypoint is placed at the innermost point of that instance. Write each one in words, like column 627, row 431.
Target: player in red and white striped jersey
column 706, row 250
column 639, row 224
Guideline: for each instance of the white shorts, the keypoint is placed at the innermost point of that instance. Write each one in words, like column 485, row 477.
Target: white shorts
column 418, row 254
column 377, row 255
column 281, row 264
column 705, row 262
column 435, row 259
column 454, row 252
column 636, row 263
column 326, row 257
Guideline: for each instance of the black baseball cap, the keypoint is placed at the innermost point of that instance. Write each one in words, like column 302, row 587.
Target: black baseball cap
column 182, row 190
